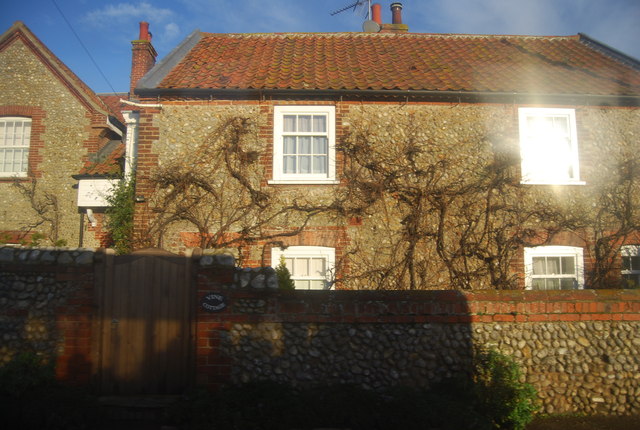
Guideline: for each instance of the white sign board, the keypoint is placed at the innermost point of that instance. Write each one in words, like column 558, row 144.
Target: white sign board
column 93, row 193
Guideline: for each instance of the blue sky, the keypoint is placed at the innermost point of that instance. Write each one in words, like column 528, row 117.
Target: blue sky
column 107, row 27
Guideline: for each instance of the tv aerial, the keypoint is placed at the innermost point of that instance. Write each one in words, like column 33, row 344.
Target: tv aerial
column 356, row 6
column 368, row 26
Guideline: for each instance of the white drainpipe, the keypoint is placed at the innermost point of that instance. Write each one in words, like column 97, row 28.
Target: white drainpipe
column 132, row 120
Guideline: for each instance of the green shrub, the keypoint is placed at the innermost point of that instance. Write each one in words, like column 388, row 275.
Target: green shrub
column 501, row 397
column 284, row 276
column 120, row 216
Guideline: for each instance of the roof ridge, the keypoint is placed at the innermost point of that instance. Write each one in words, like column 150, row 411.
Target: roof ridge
column 404, row 35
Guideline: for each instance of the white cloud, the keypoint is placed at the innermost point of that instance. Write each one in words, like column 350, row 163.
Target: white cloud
column 171, row 31
column 126, row 11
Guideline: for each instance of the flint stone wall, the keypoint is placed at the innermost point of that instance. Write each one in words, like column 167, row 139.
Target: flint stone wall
column 580, row 349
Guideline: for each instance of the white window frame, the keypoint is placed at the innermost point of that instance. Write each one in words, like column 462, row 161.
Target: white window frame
column 6, row 147
column 327, row 253
column 554, row 251
column 630, row 251
column 538, row 168
column 279, row 177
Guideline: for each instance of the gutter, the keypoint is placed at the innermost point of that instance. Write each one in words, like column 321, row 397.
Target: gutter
column 479, row 96
column 140, row 105
column 113, row 126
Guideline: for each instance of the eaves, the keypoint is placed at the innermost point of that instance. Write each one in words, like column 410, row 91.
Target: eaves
column 408, row 95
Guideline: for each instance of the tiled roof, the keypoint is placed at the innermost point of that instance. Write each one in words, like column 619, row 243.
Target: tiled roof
column 112, row 100
column 108, row 161
column 421, row 62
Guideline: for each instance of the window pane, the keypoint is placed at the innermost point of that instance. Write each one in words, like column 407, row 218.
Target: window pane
column 320, row 145
column 25, row 158
column 17, row 134
column 553, row 283
column 301, row 267
column 319, row 164
column 27, row 133
column 561, row 125
column 302, row 284
column 320, row 123
column 317, row 267
column 538, row 284
column 553, row 265
column 2, row 132
column 304, row 123
column 289, row 123
column 626, row 263
column 568, row 265
column 289, row 144
column 17, row 160
column 316, row 285
column 289, row 164
column 305, row 164
column 539, row 266
column 567, row 283
column 9, row 133
column 304, row 145
column 635, row 263
column 289, row 263
column 2, row 151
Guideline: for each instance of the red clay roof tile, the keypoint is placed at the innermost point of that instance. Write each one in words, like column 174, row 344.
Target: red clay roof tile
column 432, row 62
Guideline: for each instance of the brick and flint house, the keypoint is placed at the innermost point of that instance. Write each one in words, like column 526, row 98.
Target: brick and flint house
column 388, row 159
column 52, row 127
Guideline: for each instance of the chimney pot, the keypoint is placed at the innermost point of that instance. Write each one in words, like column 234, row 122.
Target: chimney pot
column 396, row 13
column 376, row 13
column 144, row 31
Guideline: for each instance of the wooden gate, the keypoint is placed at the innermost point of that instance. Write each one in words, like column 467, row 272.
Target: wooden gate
column 146, row 331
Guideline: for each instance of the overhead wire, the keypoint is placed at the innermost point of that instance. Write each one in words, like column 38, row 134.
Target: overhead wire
column 84, row 47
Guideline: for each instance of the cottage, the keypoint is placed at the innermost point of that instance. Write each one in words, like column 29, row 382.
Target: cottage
column 51, row 125
column 388, row 159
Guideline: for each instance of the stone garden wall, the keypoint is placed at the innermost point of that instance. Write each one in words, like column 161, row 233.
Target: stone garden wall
column 580, row 349
column 46, row 307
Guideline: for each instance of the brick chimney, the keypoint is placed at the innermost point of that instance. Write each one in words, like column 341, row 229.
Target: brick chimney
column 396, row 25
column 143, row 56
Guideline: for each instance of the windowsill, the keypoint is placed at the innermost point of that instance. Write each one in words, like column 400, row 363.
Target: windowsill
column 303, row 182
column 553, row 183
column 13, row 177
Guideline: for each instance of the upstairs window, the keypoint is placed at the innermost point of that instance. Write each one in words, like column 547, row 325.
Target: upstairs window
column 304, row 144
column 548, row 146
column 553, row 268
column 15, row 136
column 630, row 266
column 311, row 267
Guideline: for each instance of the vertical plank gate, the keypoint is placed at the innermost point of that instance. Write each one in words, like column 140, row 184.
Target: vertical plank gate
column 146, row 330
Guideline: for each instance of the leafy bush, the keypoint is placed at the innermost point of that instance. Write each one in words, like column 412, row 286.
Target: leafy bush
column 507, row 402
column 120, row 216
column 284, row 276
column 31, row 398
